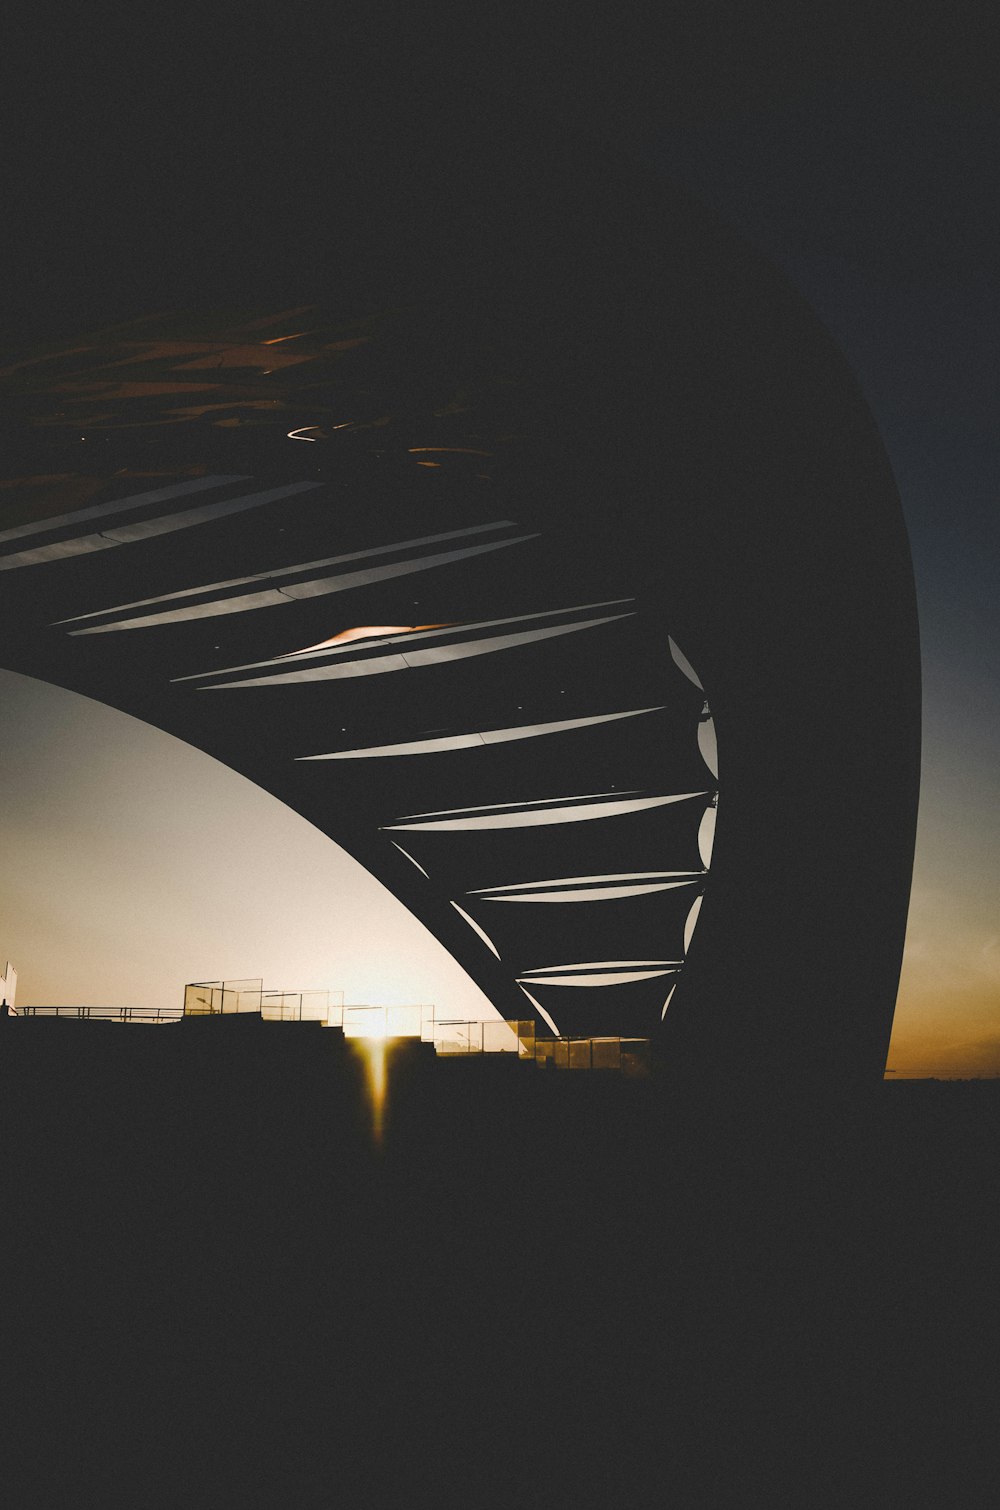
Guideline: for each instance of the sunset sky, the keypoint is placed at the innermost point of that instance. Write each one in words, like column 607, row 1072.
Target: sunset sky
column 131, row 863
column 134, row 863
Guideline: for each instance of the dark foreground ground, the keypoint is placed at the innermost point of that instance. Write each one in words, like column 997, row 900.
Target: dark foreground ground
column 545, row 1290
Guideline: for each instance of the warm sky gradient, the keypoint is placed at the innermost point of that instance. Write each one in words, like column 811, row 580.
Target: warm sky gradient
column 874, row 201
column 862, row 164
column 133, row 863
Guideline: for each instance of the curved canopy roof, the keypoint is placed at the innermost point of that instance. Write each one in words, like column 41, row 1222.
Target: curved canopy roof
column 446, row 538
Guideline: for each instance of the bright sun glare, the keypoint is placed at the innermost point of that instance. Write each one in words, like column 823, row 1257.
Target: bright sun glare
column 373, row 1048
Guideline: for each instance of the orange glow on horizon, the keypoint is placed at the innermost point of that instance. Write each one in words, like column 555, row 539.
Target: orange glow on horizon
column 946, row 1024
column 948, row 1036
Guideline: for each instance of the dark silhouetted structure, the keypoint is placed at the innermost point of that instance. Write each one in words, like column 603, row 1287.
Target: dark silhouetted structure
column 469, row 465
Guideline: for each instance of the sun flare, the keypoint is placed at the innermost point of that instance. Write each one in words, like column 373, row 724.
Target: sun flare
column 373, row 1048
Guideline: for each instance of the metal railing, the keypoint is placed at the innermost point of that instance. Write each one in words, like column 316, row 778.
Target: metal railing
column 326, row 1007
column 210, row 997
column 450, row 1037
column 104, row 1014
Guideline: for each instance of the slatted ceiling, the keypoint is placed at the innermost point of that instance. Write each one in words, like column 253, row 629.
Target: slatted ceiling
column 708, row 746
column 423, row 704
column 407, row 856
column 286, row 588
column 610, row 893
column 154, row 564
column 371, row 576
column 649, row 927
column 202, row 513
column 419, row 657
column 664, row 838
column 55, row 525
column 330, row 517
column 551, row 812
column 431, row 714
column 339, row 521
column 568, row 670
column 477, row 928
column 190, row 649
column 569, row 657
column 155, row 525
column 586, row 890
column 449, row 743
column 610, row 667
column 432, row 693
column 691, row 922
column 343, row 521
column 681, row 661
column 517, row 770
column 621, row 607
column 47, row 554
column 277, row 573
column 633, row 1008
column 308, row 616
column 592, row 977
column 612, row 929
column 647, row 743
column 565, row 665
